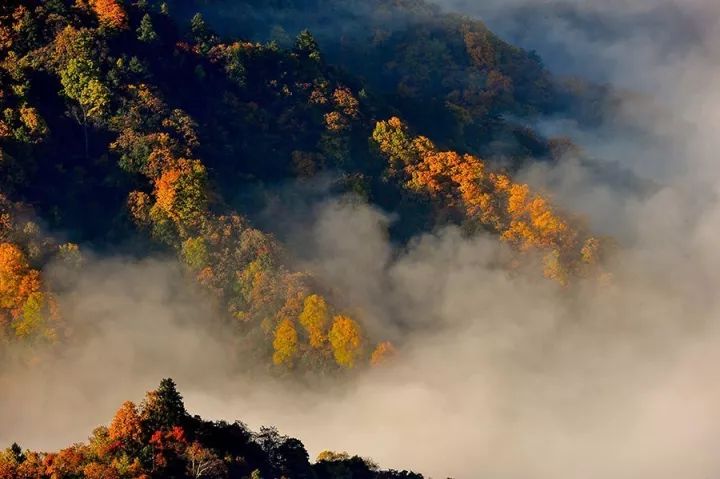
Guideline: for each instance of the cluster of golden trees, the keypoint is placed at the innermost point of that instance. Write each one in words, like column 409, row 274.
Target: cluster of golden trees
column 240, row 264
column 524, row 219
column 326, row 334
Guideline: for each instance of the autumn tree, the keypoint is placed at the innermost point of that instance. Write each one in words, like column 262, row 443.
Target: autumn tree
column 181, row 193
column 126, row 424
column 33, row 127
column 346, row 102
column 81, row 82
column 393, row 140
column 331, row 456
column 232, row 57
column 32, row 466
column 35, row 310
column 335, row 121
column 100, row 444
column 68, row 462
column 169, row 446
column 315, row 318
column 345, row 340
column 110, row 13
column 202, row 462
column 195, row 253
column 285, row 343
column 10, row 460
column 22, row 298
column 383, row 353
column 96, row 470
column 13, row 269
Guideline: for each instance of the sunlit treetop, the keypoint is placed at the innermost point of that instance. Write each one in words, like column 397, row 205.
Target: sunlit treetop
column 525, row 219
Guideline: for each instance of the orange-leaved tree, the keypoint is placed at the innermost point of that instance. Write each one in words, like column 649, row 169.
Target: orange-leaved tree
column 24, row 303
column 383, row 353
column 126, row 426
column 523, row 218
column 110, row 13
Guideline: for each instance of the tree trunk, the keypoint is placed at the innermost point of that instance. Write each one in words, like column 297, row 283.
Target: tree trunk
column 85, row 133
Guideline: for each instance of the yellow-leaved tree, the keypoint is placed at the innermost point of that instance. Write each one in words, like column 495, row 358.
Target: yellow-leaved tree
column 314, row 318
column 346, row 341
column 285, row 343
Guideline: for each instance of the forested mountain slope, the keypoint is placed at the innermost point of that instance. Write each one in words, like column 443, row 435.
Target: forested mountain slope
column 450, row 74
column 124, row 130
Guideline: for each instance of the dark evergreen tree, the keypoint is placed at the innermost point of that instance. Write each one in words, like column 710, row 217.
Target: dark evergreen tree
column 146, row 32
column 306, row 45
column 163, row 408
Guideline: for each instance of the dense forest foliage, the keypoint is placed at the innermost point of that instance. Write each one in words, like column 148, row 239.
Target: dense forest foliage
column 129, row 127
column 159, row 439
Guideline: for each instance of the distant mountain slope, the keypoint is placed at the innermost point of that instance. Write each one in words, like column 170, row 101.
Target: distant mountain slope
column 448, row 72
column 611, row 41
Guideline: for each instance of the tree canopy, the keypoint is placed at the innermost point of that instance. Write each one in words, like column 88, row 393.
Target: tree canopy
column 164, row 441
